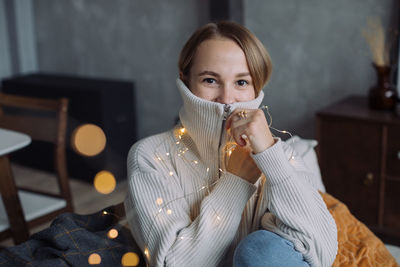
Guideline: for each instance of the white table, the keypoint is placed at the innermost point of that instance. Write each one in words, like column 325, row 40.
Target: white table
column 11, row 141
column 23, row 205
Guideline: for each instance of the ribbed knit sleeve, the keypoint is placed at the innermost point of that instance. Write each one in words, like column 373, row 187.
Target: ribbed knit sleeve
column 297, row 211
column 165, row 232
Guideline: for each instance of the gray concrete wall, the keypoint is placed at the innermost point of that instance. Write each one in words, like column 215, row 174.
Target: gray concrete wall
column 319, row 54
column 121, row 39
column 17, row 38
column 5, row 57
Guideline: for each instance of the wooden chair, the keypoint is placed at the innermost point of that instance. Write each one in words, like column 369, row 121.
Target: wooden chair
column 43, row 120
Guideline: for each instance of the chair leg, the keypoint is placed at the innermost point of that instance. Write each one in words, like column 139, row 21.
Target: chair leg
column 12, row 203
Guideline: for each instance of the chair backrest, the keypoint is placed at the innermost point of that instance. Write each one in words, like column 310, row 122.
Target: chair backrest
column 43, row 120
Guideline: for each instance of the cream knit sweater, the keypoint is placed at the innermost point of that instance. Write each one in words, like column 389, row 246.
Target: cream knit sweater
column 184, row 211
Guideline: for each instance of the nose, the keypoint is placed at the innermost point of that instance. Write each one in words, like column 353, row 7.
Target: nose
column 225, row 95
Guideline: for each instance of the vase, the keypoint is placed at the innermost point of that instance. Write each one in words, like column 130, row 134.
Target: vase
column 382, row 96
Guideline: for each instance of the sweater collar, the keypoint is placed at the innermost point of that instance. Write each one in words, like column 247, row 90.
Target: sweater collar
column 203, row 121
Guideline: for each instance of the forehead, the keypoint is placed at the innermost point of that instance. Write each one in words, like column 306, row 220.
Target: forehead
column 219, row 52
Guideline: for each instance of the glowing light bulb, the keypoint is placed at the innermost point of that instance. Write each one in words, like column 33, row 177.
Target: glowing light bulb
column 88, row 140
column 146, row 251
column 94, row 259
column 159, row 201
column 208, row 169
column 130, row 259
column 182, row 130
column 113, row 233
column 104, row 182
column 171, row 173
column 167, row 153
column 169, row 212
column 105, row 212
column 195, row 162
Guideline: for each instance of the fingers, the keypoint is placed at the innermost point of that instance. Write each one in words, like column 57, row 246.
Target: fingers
column 236, row 116
column 238, row 123
column 240, row 135
column 250, row 128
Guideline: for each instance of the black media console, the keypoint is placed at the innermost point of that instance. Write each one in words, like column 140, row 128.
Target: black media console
column 110, row 104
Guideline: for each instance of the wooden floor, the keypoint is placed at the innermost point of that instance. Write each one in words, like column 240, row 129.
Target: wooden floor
column 85, row 198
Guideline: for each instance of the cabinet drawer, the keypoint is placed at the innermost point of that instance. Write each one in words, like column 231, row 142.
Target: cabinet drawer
column 393, row 151
column 392, row 208
column 350, row 154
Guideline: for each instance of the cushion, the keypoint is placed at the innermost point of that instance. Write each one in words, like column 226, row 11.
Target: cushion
column 357, row 245
column 305, row 148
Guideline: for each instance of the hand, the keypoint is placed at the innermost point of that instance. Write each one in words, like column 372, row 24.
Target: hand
column 241, row 164
column 250, row 127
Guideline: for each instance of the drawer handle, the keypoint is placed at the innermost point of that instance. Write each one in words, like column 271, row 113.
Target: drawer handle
column 398, row 155
column 369, row 179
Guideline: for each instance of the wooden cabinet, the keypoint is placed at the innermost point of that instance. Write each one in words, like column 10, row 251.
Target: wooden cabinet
column 359, row 157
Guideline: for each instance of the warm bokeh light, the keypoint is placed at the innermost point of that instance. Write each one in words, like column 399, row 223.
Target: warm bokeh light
column 130, row 259
column 88, row 140
column 159, row 201
column 104, row 182
column 113, row 233
column 94, row 259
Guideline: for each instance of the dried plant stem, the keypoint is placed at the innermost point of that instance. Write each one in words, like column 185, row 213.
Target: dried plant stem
column 375, row 36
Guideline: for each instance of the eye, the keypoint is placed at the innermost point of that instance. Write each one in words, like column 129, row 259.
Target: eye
column 242, row 82
column 209, row 80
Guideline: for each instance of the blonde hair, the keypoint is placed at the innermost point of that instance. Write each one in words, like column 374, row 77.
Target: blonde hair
column 258, row 59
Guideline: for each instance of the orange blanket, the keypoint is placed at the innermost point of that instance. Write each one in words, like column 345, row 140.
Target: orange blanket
column 358, row 246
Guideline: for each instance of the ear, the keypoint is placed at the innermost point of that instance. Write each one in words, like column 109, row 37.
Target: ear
column 184, row 79
column 181, row 76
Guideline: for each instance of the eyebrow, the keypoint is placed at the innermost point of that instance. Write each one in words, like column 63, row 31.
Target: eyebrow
column 207, row 72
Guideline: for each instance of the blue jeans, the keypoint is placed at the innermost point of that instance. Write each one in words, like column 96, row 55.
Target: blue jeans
column 264, row 248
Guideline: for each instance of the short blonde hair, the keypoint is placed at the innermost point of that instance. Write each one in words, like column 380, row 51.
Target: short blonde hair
column 258, row 59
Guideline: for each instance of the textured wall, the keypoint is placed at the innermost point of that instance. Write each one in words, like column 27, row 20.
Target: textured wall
column 5, row 57
column 318, row 53
column 135, row 40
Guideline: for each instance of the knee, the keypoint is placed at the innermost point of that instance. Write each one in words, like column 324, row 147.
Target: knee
column 261, row 240
column 264, row 248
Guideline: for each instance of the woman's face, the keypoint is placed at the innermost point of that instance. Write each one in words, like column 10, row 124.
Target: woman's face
column 219, row 73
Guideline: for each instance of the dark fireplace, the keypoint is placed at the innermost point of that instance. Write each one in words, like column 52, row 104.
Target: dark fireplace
column 109, row 104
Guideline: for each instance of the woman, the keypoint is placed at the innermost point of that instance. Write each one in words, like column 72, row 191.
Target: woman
column 218, row 189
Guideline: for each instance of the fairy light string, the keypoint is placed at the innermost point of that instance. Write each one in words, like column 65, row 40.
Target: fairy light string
column 163, row 208
column 266, row 108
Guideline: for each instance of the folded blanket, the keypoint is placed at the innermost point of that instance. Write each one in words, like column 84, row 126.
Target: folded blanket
column 71, row 240
column 358, row 246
